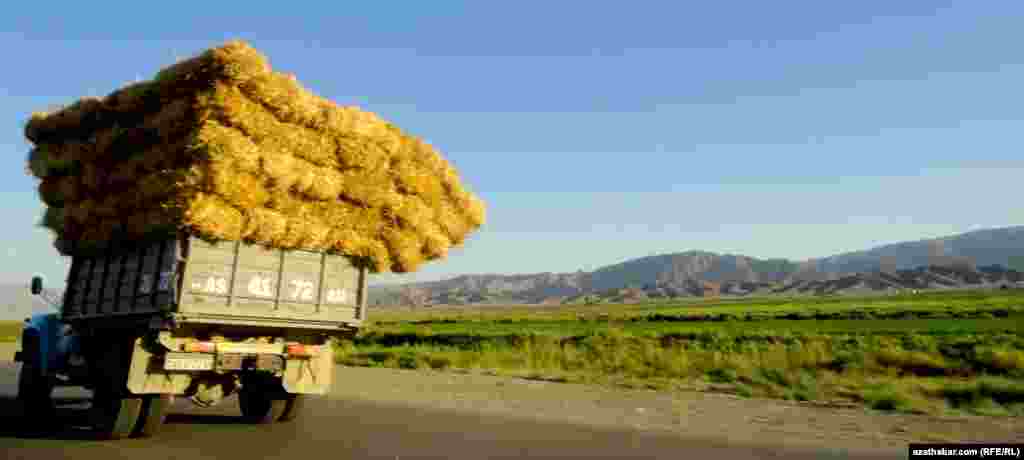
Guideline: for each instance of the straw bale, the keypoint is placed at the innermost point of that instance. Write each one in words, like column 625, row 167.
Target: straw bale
column 82, row 151
column 104, row 139
column 106, row 207
column 306, row 227
column 286, row 98
column 101, row 231
column 38, row 162
column 93, row 236
column 211, row 217
column 368, row 188
column 78, row 214
column 33, row 128
column 161, row 157
column 291, row 103
column 224, row 148
column 405, row 248
column 70, row 188
column 312, row 233
column 132, row 98
column 153, row 187
column 318, row 183
column 150, row 224
column 264, row 128
column 50, row 191
column 73, row 119
column 435, row 243
column 233, row 61
column 125, row 173
column 53, row 219
column 47, row 160
column 472, row 208
column 453, row 223
column 411, row 211
column 174, row 119
column 372, row 251
column 213, row 142
column 264, row 225
column 413, row 179
column 93, row 177
column 241, row 189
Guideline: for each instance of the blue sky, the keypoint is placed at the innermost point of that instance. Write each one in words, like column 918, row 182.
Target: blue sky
column 603, row 131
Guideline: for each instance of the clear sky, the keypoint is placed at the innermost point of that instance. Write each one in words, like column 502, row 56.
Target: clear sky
column 602, row 131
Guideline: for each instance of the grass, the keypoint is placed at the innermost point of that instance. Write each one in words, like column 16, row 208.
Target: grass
column 933, row 353
column 930, row 305
column 569, row 328
column 10, row 331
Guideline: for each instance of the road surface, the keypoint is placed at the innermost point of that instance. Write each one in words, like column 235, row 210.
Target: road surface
column 389, row 414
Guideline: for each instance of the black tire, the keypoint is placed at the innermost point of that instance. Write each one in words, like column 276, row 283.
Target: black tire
column 152, row 415
column 35, row 389
column 296, row 404
column 261, row 405
column 115, row 417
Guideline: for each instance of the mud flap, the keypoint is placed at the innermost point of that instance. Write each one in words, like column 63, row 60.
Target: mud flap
column 310, row 376
column 146, row 374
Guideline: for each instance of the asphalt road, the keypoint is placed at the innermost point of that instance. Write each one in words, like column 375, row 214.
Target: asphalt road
column 344, row 427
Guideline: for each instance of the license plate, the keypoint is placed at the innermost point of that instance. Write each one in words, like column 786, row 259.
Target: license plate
column 188, row 362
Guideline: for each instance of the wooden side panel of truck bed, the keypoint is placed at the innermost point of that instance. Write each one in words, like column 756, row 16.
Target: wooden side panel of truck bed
column 225, row 283
column 234, row 282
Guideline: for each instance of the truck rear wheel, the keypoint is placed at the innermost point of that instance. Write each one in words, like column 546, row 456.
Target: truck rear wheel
column 115, row 417
column 35, row 389
column 295, row 406
column 262, row 405
column 152, row 415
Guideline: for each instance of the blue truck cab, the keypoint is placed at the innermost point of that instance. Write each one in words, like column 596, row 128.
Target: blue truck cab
column 55, row 343
column 47, row 342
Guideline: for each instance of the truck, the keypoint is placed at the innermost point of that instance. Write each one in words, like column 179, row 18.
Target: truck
column 140, row 324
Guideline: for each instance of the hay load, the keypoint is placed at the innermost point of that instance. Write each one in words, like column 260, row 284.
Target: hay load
column 222, row 147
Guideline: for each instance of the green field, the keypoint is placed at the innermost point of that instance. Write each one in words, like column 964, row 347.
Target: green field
column 937, row 353
column 931, row 353
column 951, row 304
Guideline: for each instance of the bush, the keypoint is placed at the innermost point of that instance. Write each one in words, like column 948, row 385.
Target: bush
column 722, row 375
column 914, row 362
column 1001, row 390
column 772, row 376
column 439, row 362
column 1011, row 361
column 887, row 398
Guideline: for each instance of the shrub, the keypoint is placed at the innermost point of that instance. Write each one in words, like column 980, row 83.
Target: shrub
column 722, row 375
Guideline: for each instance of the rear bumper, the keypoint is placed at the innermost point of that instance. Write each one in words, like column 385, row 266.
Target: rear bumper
column 148, row 373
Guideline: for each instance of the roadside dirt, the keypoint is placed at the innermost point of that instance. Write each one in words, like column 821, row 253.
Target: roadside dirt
column 708, row 417
column 689, row 414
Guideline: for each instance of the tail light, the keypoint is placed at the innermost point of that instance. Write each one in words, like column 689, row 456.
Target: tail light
column 300, row 350
column 200, row 347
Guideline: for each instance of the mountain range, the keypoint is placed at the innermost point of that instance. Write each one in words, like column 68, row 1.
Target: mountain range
column 990, row 257
column 993, row 258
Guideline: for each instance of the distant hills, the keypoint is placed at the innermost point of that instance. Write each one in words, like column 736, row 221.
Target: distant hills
column 983, row 258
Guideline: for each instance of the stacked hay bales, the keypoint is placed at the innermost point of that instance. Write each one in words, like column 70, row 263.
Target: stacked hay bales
column 222, row 147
